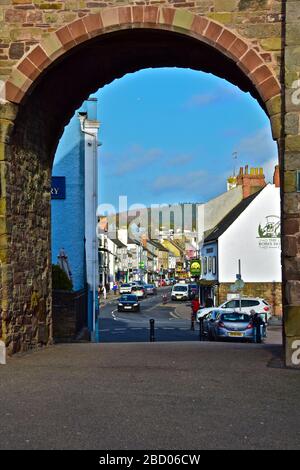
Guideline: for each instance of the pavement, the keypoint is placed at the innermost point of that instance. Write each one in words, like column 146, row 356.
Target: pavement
column 156, row 396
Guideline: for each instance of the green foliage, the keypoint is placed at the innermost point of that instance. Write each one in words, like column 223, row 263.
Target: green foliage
column 60, row 280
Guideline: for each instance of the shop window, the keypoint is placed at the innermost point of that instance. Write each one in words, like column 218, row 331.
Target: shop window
column 214, row 265
column 205, row 265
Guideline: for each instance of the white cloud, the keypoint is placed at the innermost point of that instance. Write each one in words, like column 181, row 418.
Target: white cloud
column 179, row 160
column 219, row 95
column 134, row 159
column 259, row 145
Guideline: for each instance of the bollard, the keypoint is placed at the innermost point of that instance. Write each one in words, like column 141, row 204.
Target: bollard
column 152, row 337
column 200, row 329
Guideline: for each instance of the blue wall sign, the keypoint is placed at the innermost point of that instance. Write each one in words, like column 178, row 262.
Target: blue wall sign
column 58, row 187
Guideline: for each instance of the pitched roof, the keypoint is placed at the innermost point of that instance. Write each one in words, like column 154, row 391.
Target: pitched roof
column 158, row 245
column 231, row 217
column 118, row 243
column 130, row 241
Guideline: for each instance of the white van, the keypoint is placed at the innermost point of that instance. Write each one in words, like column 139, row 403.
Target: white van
column 180, row 292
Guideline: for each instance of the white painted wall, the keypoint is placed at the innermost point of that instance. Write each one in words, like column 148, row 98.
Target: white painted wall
column 91, row 197
column 260, row 257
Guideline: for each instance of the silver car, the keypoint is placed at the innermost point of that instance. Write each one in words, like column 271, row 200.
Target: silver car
column 150, row 289
column 232, row 325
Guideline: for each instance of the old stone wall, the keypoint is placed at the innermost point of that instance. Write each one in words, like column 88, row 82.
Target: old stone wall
column 270, row 291
column 25, row 290
column 291, row 163
column 25, row 23
column 263, row 37
column 69, row 312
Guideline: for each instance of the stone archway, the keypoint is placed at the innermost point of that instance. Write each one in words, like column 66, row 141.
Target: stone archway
column 42, row 92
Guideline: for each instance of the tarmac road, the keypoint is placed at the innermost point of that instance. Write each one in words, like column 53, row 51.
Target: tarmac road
column 170, row 325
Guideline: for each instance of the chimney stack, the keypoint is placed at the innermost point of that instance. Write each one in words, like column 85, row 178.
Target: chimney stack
column 276, row 177
column 251, row 182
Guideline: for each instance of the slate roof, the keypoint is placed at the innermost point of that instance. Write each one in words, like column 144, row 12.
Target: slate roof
column 231, row 217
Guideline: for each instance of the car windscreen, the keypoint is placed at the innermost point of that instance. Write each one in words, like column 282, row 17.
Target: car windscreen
column 234, row 317
column 125, row 285
column 149, row 286
column 180, row 288
column 126, row 298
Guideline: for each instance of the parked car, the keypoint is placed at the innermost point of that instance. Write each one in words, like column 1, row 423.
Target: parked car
column 180, row 292
column 208, row 321
column 125, row 288
column 128, row 302
column 260, row 305
column 139, row 291
column 202, row 312
column 137, row 283
column 232, row 325
column 150, row 289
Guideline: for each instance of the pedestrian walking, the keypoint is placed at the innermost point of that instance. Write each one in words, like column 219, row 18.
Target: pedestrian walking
column 257, row 322
column 195, row 304
column 115, row 288
column 104, row 292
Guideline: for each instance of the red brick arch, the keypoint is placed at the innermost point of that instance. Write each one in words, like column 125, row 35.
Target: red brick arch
column 111, row 19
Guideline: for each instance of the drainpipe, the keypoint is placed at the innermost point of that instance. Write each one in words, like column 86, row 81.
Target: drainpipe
column 95, row 329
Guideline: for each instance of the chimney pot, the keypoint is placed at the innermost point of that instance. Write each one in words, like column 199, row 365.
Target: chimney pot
column 276, row 177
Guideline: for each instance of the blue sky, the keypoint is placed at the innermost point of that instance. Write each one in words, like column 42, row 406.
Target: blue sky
column 168, row 136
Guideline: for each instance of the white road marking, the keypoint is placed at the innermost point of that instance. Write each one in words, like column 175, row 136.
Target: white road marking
column 135, row 328
column 114, row 315
column 174, row 315
column 120, row 329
